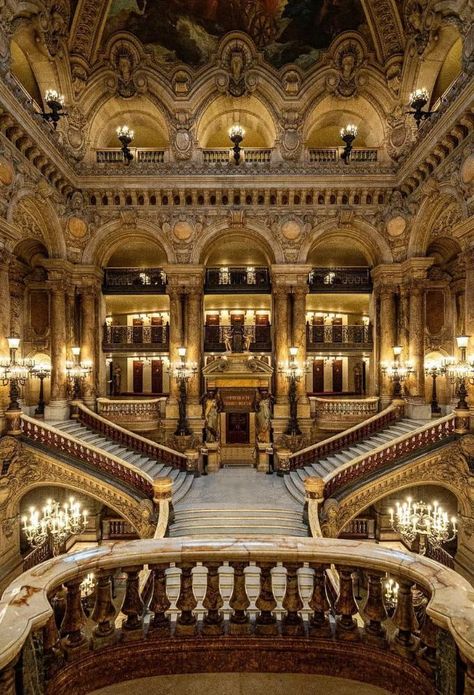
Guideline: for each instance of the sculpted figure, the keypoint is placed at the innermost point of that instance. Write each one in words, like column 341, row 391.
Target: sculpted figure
column 263, row 408
column 212, row 406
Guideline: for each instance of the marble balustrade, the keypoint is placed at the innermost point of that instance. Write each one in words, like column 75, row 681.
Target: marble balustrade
column 315, row 613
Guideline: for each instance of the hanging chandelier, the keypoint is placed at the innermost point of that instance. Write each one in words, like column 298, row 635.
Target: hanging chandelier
column 423, row 524
column 54, row 521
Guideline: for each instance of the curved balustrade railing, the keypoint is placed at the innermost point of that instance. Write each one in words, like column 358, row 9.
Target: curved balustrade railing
column 134, row 414
column 355, row 434
column 395, row 450
column 301, row 606
column 102, row 461
column 364, row 407
column 131, row 440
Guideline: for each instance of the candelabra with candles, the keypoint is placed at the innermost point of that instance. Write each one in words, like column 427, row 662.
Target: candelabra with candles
column 397, row 372
column 125, row 135
column 348, row 134
column 422, row 524
column 418, row 99
column 236, row 134
column 41, row 371
column 390, row 594
column 77, row 372
column 55, row 522
column 55, row 101
column 15, row 373
column 293, row 373
column 182, row 372
column 461, row 372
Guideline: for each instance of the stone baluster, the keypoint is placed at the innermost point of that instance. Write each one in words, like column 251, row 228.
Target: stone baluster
column 52, row 654
column 292, row 623
column 74, row 618
column 104, row 611
column 160, row 603
column 319, row 603
column 266, row 623
column 213, row 623
column 405, row 620
column 239, row 602
column 427, row 653
column 7, row 679
column 374, row 610
column 186, row 624
column 132, row 607
column 346, row 606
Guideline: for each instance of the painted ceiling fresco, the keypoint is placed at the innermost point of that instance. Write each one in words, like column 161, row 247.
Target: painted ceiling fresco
column 286, row 31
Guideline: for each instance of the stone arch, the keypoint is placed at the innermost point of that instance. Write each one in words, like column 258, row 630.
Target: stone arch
column 257, row 234
column 36, row 218
column 363, row 234
column 446, row 468
column 109, row 237
column 438, row 211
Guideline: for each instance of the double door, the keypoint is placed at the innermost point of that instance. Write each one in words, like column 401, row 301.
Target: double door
column 156, row 376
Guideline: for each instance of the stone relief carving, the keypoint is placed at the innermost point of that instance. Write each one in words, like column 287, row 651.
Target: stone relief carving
column 125, row 59
column 422, row 25
column 181, row 82
column 291, row 82
column 54, row 25
column 291, row 125
column 236, row 77
column 347, row 56
column 400, row 135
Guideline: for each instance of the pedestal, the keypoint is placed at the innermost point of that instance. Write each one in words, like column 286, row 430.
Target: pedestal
column 462, row 421
column 283, row 459
column 56, row 411
column 263, row 457
column 213, row 456
column 13, row 422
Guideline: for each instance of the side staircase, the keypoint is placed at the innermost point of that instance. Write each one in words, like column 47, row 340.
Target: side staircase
column 181, row 481
column 325, row 466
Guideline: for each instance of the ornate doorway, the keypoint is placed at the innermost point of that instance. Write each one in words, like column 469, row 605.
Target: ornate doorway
column 238, row 428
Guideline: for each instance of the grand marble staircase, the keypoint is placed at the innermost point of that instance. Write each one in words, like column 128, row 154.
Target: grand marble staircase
column 181, row 481
column 322, row 467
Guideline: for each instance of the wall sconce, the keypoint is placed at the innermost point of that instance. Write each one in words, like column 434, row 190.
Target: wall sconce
column 418, row 99
column 236, row 134
column 348, row 134
column 125, row 135
column 55, row 101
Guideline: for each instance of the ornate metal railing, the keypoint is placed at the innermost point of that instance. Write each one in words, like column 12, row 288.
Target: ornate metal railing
column 332, row 280
column 248, row 279
column 254, row 338
column 329, row 336
column 397, row 449
column 224, row 155
column 103, row 462
column 333, row 154
column 223, row 622
column 114, row 155
column 355, row 434
column 130, row 440
column 136, row 338
column 134, row 281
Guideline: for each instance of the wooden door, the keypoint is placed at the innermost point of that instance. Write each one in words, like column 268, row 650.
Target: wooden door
column 212, row 334
column 318, row 329
column 337, row 330
column 262, row 329
column 318, row 376
column 137, row 376
column 337, row 376
column 238, row 428
column 157, row 330
column 156, row 376
column 137, row 330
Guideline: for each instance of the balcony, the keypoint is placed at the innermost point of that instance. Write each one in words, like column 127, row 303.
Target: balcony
column 134, row 281
column 136, row 338
column 237, row 280
column 223, row 338
column 341, row 337
column 340, row 280
column 333, row 155
column 224, row 155
column 142, row 155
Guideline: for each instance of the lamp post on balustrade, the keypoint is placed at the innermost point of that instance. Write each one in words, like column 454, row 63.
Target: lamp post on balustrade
column 397, row 372
column 15, row 374
column 41, row 371
column 182, row 372
column 293, row 374
column 434, row 370
column 77, row 372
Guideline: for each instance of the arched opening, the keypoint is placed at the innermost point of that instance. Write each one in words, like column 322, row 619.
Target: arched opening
column 136, row 254
column 443, row 64
column 338, row 250
column 237, row 250
column 224, row 112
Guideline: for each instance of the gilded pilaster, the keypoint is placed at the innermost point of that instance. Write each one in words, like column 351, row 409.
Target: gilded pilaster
column 417, row 340
column 299, row 334
column 280, row 339
column 57, row 407
column 387, row 336
column 88, row 335
column 194, row 329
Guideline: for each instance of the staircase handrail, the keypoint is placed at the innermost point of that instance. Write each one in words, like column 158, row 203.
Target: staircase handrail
column 117, row 468
column 132, row 440
column 404, row 445
column 348, row 437
column 25, row 607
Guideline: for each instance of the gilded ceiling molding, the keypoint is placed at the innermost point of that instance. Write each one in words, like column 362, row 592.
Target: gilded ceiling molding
column 86, row 29
column 386, row 27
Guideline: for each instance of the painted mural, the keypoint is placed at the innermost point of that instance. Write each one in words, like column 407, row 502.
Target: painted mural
column 287, row 31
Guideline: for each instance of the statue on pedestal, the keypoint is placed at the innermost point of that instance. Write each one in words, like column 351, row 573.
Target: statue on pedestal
column 212, row 407
column 263, row 408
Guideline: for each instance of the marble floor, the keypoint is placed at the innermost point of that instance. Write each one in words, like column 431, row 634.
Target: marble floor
column 238, row 487
column 242, row 684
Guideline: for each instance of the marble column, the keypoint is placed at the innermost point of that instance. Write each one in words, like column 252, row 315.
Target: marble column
column 194, row 328
column 404, row 319
column 299, row 337
column 417, row 341
column 57, row 408
column 5, row 260
column 176, row 335
column 88, row 336
column 281, row 341
column 70, row 319
column 387, row 337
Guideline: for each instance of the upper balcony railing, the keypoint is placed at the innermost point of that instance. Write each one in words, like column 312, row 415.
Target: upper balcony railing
column 134, row 281
column 249, row 338
column 332, row 280
column 142, row 155
column 251, row 155
column 136, row 338
column 333, row 155
column 241, row 279
column 330, row 336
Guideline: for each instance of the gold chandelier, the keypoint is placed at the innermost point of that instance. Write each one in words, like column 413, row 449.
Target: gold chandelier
column 427, row 524
column 54, row 522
